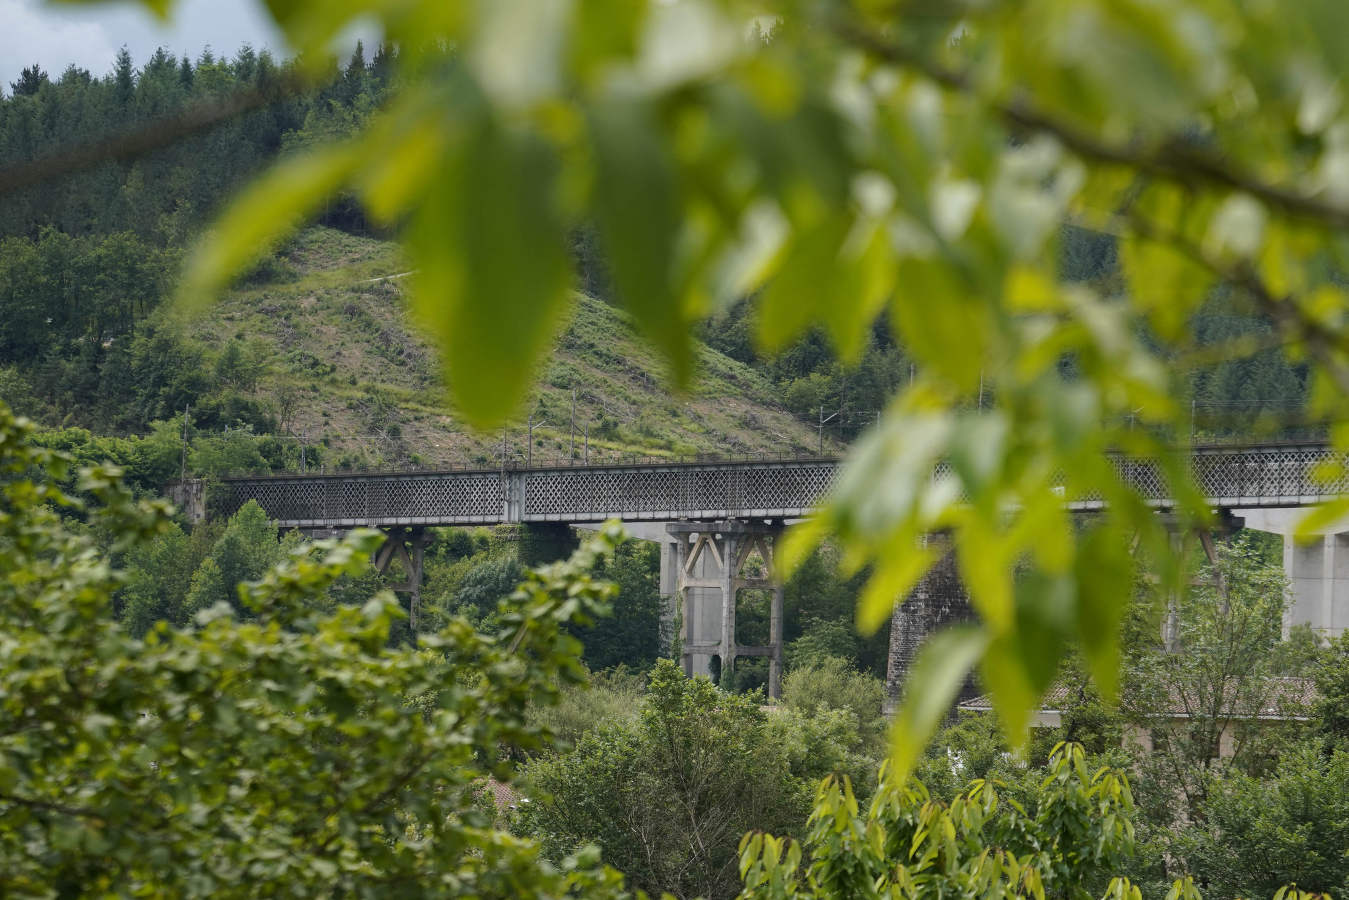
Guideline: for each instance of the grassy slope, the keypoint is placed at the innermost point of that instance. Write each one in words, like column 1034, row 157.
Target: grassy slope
column 345, row 366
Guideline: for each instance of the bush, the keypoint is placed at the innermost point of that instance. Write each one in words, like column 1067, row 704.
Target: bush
column 611, row 696
column 832, row 683
column 827, row 742
column 823, row 639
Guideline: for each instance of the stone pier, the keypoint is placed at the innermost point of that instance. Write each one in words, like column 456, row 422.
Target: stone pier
column 938, row 599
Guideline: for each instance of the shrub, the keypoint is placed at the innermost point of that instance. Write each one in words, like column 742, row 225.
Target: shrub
column 614, row 695
column 832, row 683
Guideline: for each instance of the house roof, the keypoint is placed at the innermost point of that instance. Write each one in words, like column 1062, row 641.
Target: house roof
column 503, row 795
column 1288, row 698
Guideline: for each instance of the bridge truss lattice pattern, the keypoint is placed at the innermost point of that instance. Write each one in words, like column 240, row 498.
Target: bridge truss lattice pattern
column 1279, row 475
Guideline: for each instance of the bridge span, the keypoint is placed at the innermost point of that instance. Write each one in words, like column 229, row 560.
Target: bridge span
column 713, row 516
column 1257, row 476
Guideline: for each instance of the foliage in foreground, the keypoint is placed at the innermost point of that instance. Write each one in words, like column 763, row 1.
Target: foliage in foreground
column 1075, row 841
column 296, row 754
column 1078, row 836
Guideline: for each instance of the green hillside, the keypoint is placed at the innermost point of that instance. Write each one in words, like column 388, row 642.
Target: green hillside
column 340, row 363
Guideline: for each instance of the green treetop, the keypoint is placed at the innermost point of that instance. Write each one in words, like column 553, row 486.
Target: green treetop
column 292, row 754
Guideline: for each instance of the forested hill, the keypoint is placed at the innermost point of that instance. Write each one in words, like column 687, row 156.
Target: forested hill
column 164, row 197
column 313, row 349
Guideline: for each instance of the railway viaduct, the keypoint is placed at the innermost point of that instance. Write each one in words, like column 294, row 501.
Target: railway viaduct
column 719, row 521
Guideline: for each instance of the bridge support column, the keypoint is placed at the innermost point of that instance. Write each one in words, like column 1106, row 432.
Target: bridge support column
column 1180, row 546
column 1317, row 571
column 408, row 546
column 938, row 599
column 545, row 542
column 190, row 498
column 712, row 556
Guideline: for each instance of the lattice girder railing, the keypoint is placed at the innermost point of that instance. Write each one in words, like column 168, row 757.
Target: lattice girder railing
column 1231, row 477
column 463, row 498
column 665, row 493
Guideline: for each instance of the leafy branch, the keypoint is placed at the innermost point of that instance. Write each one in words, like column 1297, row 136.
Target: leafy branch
column 1174, row 159
column 1328, row 345
column 78, row 812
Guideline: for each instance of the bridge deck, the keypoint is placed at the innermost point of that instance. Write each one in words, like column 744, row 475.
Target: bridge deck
column 1281, row 475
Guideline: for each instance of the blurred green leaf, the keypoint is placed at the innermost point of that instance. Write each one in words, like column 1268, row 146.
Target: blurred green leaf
column 638, row 210
column 839, row 273
column 264, row 215
column 493, row 276
column 1321, row 517
column 1165, row 283
column 890, row 583
column 933, row 682
column 1102, row 601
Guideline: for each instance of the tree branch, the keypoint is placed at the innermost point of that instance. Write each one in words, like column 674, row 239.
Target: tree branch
column 1326, row 344
column 48, row 806
column 1173, row 160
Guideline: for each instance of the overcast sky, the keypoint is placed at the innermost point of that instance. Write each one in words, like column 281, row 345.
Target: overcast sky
column 89, row 35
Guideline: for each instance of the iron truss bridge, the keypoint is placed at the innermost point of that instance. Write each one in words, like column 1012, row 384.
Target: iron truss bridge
column 1232, row 477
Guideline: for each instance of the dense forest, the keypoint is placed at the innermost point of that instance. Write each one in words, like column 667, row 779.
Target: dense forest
column 86, row 261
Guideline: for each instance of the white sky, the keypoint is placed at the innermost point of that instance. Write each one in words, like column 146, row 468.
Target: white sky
column 89, row 35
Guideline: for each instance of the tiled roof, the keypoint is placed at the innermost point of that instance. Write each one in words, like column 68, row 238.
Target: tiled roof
column 503, row 795
column 1288, row 698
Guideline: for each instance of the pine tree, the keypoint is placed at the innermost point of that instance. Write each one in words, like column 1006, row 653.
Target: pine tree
column 124, row 79
column 30, row 81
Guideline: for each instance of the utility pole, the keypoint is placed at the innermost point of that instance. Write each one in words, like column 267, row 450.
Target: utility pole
column 529, row 452
column 823, row 420
column 587, row 459
column 571, row 454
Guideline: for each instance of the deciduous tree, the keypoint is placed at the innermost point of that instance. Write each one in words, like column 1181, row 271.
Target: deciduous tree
column 667, row 797
column 293, row 755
